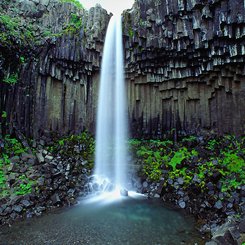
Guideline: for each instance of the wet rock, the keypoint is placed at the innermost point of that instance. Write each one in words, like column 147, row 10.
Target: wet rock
column 211, row 243
column 55, row 199
column 26, row 203
column 210, row 186
column 40, row 157
column 170, row 181
column 196, row 178
column 156, row 195
column 218, row 204
column 13, row 216
column 180, row 181
column 48, row 158
column 182, row 204
column 14, row 159
column 241, row 226
column 124, row 192
column 145, row 184
column 26, row 156
column 18, row 208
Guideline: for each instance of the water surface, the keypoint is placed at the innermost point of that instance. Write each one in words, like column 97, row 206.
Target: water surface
column 128, row 221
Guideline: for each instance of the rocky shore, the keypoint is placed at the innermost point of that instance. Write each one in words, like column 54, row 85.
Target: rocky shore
column 189, row 174
column 200, row 177
column 39, row 180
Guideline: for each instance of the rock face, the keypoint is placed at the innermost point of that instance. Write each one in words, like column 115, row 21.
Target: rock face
column 57, row 90
column 55, row 181
column 185, row 66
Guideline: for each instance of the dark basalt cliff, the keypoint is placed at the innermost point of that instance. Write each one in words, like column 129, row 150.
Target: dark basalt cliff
column 57, row 87
column 184, row 67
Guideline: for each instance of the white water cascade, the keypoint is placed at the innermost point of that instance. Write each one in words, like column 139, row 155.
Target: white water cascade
column 111, row 132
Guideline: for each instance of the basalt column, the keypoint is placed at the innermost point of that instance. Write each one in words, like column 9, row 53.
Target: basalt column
column 185, row 66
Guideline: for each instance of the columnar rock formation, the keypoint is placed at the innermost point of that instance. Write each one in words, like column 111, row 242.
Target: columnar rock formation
column 58, row 85
column 184, row 67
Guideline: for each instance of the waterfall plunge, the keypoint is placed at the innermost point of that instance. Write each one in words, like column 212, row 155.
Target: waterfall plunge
column 111, row 134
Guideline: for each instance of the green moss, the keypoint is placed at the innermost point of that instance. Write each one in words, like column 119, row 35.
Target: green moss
column 223, row 157
column 74, row 25
column 66, row 147
column 11, row 79
column 23, row 185
column 14, row 33
column 189, row 139
column 130, row 32
column 4, row 114
column 75, row 2
column 13, row 147
column 212, row 144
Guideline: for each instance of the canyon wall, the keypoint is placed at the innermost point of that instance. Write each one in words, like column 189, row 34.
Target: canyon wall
column 184, row 65
column 57, row 89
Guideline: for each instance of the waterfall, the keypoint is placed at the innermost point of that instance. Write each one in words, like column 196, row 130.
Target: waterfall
column 111, row 129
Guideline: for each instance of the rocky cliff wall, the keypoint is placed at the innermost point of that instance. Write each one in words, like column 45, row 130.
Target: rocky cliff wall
column 57, row 87
column 185, row 65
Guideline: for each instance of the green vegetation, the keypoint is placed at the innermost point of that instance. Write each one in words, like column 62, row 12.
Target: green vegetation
column 75, row 2
column 11, row 79
column 13, row 147
column 74, row 25
column 20, row 184
column 14, row 33
column 217, row 159
column 81, row 145
column 4, row 114
column 130, row 32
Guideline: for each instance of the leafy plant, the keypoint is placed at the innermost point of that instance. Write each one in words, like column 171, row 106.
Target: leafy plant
column 12, row 79
column 75, row 2
column 13, row 146
column 82, row 145
column 74, row 25
column 24, row 187
column 130, row 32
column 4, row 114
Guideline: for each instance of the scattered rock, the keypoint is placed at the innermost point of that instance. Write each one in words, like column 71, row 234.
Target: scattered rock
column 26, row 203
column 14, row 159
column 145, row 184
column 124, row 192
column 55, row 199
column 157, row 196
column 218, row 205
column 182, row 204
column 180, row 181
column 40, row 157
column 18, row 208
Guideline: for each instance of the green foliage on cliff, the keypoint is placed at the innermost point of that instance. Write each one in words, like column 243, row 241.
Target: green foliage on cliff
column 14, row 33
column 196, row 162
column 13, row 147
column 20, row 184
column 74, row 25
column 75, row 2
column 16, row 39
column 82, row 145
column 11, row 79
